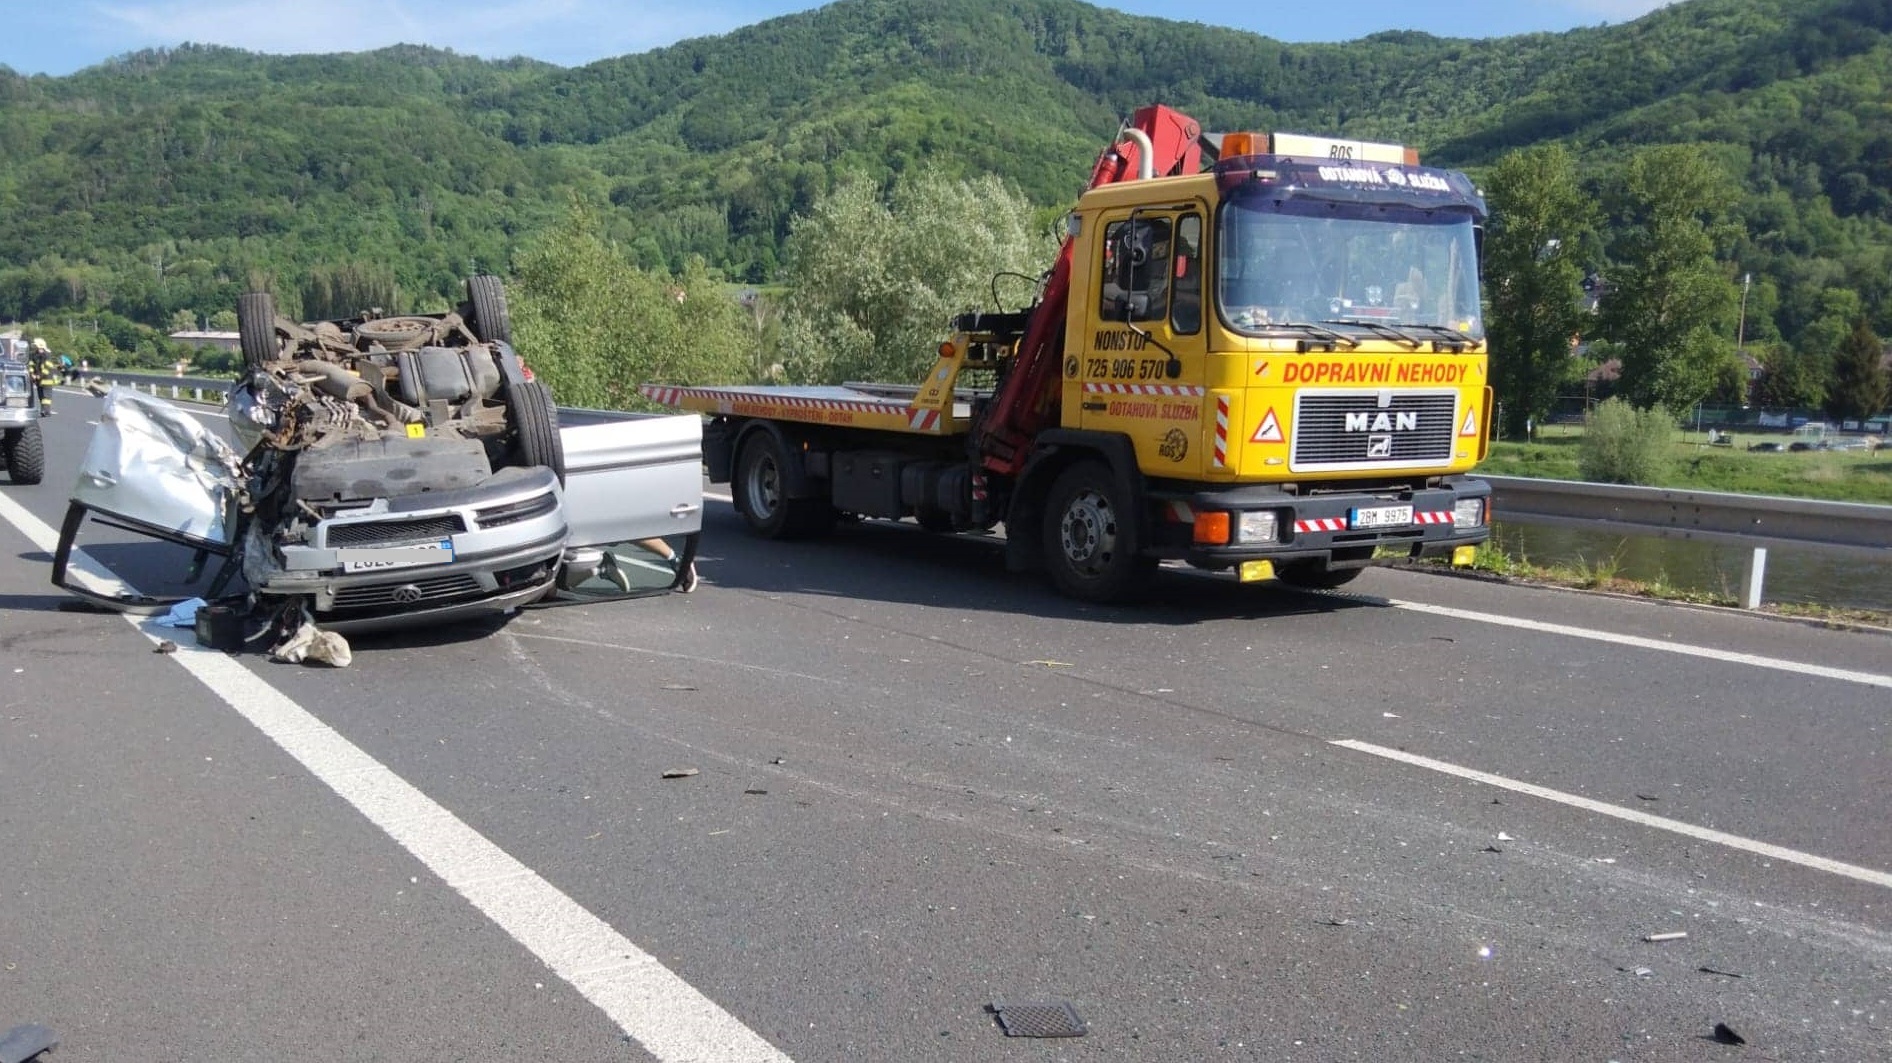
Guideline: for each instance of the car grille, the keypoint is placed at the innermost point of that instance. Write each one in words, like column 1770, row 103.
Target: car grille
column 383, row 595
column 514, row 512
column 391, row 532
column 1321, row 436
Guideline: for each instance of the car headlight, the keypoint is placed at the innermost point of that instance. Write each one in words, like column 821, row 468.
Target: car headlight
column 1468, row 513
column 1257, row 526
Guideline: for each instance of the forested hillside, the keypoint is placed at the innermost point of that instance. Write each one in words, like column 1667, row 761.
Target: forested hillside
column 161, row 184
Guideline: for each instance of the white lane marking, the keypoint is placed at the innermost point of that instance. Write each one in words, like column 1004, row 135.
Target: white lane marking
column 669, row 1017
column 1778, row 664
column 1674, row 826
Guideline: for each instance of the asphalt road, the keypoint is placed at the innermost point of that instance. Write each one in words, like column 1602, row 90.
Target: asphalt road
column 924, row 785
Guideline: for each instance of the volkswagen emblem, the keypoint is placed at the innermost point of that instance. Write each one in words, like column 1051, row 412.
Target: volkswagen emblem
column 407, row 594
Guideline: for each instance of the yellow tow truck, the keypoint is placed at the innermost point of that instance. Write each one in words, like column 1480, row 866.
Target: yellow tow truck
column 1255, row 352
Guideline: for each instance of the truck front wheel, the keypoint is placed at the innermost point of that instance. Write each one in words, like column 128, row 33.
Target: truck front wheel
column 26, row 455
column 1090, row 537
column 761, row 494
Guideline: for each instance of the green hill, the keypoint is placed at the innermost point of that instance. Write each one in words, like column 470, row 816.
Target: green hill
column 169, row 180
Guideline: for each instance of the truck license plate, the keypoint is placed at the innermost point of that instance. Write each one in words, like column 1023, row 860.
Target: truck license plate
column 1382, row 517
column 385, row 557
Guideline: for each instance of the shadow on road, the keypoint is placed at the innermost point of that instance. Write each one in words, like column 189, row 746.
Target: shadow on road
column 899, row 563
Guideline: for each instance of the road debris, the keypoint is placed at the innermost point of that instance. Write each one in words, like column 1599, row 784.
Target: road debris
column 26, row 1042
column 1493, row 849
column 778, row 760
column 1724, row 974
column 1051, row 1018
column 678, row 686
column 680, row 773
column 1725, row 1034
column 167, row 646
column 1647, row 797
column 1390, row 715
column 755, row 793
column 1336, row 922
column 1052, row 664
column 1672, row 935
column 1503, row 837
column 311, row 643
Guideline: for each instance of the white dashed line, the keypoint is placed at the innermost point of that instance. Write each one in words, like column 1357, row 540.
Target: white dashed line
column 1673, row 826
column 669, row 1017
column 1844, row 675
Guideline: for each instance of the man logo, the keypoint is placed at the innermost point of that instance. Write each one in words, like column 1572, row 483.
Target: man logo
column 1379, row 446
column 1382, row 421
column 406, row 594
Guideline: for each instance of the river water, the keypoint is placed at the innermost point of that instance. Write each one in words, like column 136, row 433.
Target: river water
column 1798, row 576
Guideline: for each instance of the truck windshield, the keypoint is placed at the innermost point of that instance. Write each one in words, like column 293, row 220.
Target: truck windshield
column 1349, row 267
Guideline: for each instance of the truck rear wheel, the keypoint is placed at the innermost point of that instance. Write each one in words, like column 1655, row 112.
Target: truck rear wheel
column 256, row 328
column 26, row 455
column 761, row 494
column 1090, row 537
column 1313, row 576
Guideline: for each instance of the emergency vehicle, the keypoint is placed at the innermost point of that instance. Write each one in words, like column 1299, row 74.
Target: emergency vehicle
column 1259, row 353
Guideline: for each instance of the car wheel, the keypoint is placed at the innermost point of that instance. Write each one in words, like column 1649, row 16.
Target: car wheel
column 1313, row 576
column 256, row 328
column 761, row 494
column 492, row 321
column 26, row 455
column 536, row 421
column 1090, row 537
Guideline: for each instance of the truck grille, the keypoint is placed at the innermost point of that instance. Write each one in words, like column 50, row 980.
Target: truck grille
column 392, row 532
column 383, row 595
column 1416, row 430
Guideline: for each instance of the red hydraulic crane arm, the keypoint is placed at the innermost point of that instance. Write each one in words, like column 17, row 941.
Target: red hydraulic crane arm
column 1028, row 400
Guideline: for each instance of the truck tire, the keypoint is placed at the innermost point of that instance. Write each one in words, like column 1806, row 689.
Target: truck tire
column 256, row 328
column 536, row 420
column 761, row 494
column 492, row 321
column 1313, row 576
column 26, row 455
column 397, row 333
column 1090, row 537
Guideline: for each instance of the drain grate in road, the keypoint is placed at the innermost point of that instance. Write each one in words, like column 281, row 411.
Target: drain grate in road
column 1053, row 1018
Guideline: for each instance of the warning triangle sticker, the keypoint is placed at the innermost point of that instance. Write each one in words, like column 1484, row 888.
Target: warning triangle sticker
column 1269, row 432
column 1470, row 427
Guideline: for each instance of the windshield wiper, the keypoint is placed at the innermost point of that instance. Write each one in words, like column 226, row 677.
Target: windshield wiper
column 1412, row 342
column 1465, row 339
column 1324, row 333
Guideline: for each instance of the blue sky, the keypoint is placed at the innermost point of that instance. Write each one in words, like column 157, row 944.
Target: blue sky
column 60, row 36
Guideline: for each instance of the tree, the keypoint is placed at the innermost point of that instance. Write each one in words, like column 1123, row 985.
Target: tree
column 1671, row 304
column 1790, row 378
column 1539, row 218
column 595, row 327
column 1862, row 387
column 873, row 283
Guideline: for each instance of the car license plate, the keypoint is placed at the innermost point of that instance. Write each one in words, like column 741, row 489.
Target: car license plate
column 1382, row 517
column 385, row 557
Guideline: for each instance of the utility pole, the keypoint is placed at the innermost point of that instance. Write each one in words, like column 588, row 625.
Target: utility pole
column 1740, row 330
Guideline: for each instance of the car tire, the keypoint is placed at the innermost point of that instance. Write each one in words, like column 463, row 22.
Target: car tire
column 256, row 328
column 761, row 494
column 26, row 455
column 1313, row 576
column 1091, row 547
column 492, row 320
column 536, row 421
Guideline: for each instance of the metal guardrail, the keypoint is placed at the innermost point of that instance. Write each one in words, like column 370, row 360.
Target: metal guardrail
column 191, row 388
column 1756, row 522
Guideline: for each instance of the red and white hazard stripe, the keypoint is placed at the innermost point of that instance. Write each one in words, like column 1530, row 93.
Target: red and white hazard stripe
column 1174, row 390
column 1179, row 512
column 1437, row 516
column 1321, row 524
column 1220, row 456
column 923, row 420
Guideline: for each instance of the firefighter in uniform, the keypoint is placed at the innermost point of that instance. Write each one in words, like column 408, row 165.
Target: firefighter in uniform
column 46, row 372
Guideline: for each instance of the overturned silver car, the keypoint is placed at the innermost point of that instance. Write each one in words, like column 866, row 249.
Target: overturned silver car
column 392, row 471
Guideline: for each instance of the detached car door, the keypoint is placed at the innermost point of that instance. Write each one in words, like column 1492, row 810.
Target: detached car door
column 633, row 502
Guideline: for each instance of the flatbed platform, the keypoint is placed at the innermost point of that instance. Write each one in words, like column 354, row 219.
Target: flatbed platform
column 853, row 406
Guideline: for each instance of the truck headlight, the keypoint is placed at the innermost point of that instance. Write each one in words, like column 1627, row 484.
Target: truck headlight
column 16, row 384
column 1468, row 513
column 1257, row 526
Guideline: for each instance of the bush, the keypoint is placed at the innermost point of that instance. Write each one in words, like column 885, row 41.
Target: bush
column 1624, row 445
